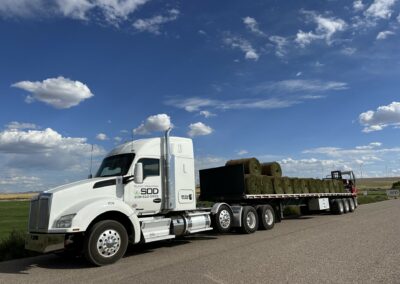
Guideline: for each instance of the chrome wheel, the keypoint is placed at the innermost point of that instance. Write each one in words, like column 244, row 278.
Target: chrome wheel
column 224, row 219
column 269, row 217
column 251, row 220
column 108, row 243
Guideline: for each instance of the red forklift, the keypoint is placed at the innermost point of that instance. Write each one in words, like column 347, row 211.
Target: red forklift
column 347, row 177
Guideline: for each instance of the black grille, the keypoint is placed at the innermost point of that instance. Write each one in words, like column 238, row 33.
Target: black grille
column 39, row 214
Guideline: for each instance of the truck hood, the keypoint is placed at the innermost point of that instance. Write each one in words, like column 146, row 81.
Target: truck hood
column 83, row 184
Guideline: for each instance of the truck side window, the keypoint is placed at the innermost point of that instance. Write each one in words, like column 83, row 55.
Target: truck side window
column 151, row 167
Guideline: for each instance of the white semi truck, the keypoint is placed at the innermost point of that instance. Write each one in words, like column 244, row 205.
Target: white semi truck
column 144, row 191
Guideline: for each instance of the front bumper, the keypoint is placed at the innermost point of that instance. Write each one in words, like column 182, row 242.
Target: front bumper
column 44, row 243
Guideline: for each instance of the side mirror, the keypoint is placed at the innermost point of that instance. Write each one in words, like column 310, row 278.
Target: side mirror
column 139, row 173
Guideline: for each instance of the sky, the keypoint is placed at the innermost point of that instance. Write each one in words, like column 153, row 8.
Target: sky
column 311, row 84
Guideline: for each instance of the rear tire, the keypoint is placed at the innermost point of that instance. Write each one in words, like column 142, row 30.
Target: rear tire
column 249, row 220
column 346, row 205
column 352, row 207
column 337, row 207
column 355, row 202
column 266, row 217
column 106, row 242
column 223, row 220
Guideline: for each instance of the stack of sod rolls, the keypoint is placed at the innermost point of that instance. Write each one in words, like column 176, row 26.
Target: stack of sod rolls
column 267, row 178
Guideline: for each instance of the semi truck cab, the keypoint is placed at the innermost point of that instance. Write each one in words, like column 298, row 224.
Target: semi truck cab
column 144, row 191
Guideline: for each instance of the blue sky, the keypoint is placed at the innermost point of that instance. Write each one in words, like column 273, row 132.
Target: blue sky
column 312, row 84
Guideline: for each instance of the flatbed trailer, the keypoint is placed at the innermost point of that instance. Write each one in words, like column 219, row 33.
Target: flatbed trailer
column 226, row 187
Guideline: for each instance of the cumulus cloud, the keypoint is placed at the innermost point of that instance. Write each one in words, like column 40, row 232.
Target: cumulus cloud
column 325, row 30
column 382, row 117
column 46, row 149
column 358, row 5
column 58, row 92
column 280, row 45
column 107, row 11
column 153, row 25
column 252, row 25
column 384, row 34
column 199, row 129
column 101, row 137
column 349, row 50
column 239, row 43
column 380, row 9
column 158, row 122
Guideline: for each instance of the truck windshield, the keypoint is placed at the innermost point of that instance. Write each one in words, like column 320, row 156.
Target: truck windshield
column 117, row 165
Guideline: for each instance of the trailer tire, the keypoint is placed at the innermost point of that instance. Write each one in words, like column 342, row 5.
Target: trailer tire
column 337, row 207
column 352, row 207
column 249, row 220
column 266, row 217
column 355, row 202
column 346, row 205
column 305, row 210
column 222, row 221
column 111, row 233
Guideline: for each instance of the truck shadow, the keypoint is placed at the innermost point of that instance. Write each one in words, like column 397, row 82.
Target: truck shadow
column 52, row 261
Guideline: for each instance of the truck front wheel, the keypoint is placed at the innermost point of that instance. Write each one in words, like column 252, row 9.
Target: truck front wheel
column 106, row 242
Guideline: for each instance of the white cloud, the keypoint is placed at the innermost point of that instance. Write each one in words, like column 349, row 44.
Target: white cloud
column 358, row 5
column 349, row 50
column 384, row 34
column 199, row 129
column 117, row 139
column 20, row 8
column 242, row 44
column 326, row 28
column 75, row 9
column 45, row 149
column 158, row 122
column 20, row 180
column 371, row 145
column 101, row 137
column 153, row 25
column 207, row 114
column 298, row 74
column 242, row 152
column 15, row 125
column 111, row 12
column 58, row 92
column 196, row 104
column 380, row 9
column 382, row 117
column 280, row 45
column 252, row 25
column 295, row 86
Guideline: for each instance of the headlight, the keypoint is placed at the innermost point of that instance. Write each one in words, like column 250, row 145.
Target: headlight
column 65, row 221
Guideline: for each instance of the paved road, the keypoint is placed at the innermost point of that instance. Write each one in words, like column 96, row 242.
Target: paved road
column 360, row 247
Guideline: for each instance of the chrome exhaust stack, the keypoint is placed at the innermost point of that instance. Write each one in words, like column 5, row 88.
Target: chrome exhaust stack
column 167, row 205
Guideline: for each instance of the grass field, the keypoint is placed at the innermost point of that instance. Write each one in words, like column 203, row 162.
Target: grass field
column 13, row 215
column 376, row 183
column 16, row 196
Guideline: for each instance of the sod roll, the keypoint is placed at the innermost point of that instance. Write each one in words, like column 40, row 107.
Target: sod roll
column 326, row 186
column 332, row 188
column 312, row 185
column 305, row 186
column 287, row 185
column 277, row 184
column 253, row 184
column 251, row 165
column 296, row 185
column 272, row 169
column 267, row 185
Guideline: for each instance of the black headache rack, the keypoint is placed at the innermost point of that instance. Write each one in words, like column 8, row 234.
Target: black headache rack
column 222, row 184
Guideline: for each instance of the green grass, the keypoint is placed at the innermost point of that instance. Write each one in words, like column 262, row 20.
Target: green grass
column 13, row 216
column 372, row 196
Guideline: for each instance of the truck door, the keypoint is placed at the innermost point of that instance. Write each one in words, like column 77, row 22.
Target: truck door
column 146, row 197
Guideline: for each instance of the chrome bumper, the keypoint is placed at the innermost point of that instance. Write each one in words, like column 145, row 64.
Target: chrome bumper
column 44, row 242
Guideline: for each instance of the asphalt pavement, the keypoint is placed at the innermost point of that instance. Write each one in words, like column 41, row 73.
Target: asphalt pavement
column 359, row 247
